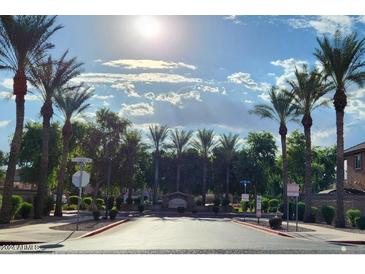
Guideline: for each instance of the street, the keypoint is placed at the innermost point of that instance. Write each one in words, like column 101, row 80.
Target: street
column 192, row 235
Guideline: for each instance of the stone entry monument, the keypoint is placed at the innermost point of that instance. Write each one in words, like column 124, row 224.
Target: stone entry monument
column 177, row 199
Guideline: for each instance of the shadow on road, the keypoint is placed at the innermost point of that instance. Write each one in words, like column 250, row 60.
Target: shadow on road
column 59, row 244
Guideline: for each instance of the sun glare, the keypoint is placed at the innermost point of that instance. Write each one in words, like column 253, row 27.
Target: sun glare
column 148, row 26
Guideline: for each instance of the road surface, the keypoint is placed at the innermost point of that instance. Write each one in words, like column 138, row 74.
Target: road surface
column 192, row 235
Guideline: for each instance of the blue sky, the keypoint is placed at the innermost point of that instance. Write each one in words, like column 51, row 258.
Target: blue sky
column 193, row 71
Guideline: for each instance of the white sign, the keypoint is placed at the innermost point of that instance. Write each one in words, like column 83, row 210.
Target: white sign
column 245, row 197
column 84, row 180
column 82, row 160
column 258, row 206
column 293, row 190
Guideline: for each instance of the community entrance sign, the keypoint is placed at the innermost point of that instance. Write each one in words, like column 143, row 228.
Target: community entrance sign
column 292, row 191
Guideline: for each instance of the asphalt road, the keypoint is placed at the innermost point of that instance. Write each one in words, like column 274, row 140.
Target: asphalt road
column 192, row 235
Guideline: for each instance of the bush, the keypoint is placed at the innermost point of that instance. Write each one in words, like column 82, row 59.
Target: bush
column 70, row 207
column 140, row 208
column 113, row 213
column 301, row 208
column 48, row 205
column 181, row 209
column 99, row 203
column 96, row 215
column 273, row 205
column 25, row 209
column 275, row 222
column 118, row 202
column 313, row 216
column 16, row 202
column 199, row 202
column 352, row 214
column 73, row 200
column 1, row 200
column 87, row 201
column 215, row 209
column 360, row 222
column 328, row 213
column 216, row 202
column 109, row 202
column 225, row 202
column 251, row 204
column 265, row 204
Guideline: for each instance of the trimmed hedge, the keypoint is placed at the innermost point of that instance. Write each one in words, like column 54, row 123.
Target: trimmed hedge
column 265, row 204
column 301, row 209
column 25, row 209
column 118, row 202
column 360, row 222
column 275, row 222
column 70, row 207
column 73, row 200
column 16, row 202
column 87, row 201
column 99, row 203
column 352, row 214
column 273, row 205
column 113, row 213
column 328, row 213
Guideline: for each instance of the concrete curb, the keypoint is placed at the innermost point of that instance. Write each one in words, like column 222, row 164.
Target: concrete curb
column 279, row 233
column 102, row 229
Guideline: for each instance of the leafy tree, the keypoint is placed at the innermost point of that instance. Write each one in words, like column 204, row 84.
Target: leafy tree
column 342, row 62
column 23, row 43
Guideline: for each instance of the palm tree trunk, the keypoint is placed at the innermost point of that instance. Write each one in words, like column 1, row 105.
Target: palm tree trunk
column 204, row 189
column 283, row 131
column 178, row 177
column 155, row 185
column 227, row 181
column 47, row 113
column 20, row 90
column 307, row 122
column 67, row 134
column 340, row 102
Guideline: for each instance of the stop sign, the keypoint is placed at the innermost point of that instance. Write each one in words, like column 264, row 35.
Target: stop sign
column 84, row 180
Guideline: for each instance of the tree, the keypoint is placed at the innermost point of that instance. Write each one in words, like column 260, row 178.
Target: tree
column 204, row 144
column 48, row 77
column 282, row 111
column 342, row 62
column 157, row 135
column 180, row 140
column 229, row 145
column 296, row 157
column 307, row 91
column 23, row 43
column 70, row 103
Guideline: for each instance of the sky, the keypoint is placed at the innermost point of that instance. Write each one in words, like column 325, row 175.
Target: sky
column 193, row 72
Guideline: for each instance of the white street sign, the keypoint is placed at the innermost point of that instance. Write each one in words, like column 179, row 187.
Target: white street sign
column 84, row 180
column 245, row 197
column 293, row 190
column 82, row 160
column 258, row 206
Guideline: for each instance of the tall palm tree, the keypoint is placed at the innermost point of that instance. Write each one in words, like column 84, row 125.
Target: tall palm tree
column 307, row 90
column 229, row 145
column 342, row 61
column 204, row 144
column 282, row 111
column 23, row 43
column 157, row 135
column 180, row 140
column 69, row 103
column 48, row 77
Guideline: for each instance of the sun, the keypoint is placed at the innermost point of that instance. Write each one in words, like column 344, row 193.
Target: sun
column 148, row 26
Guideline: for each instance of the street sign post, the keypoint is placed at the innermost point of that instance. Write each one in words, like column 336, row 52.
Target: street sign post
column 83, row 179
column 245, row 182
column 292, row 191
column 245, row 197
column 258, row 208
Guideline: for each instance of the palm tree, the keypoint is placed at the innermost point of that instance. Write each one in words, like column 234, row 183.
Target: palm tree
column 157, row 135
column 204, row 144
column 70, row 103
column 307, row 90
column 23, row 43
column 282, row 111
column 180, row 140
column 48, row 77
column 229, row 145
column 341, row 58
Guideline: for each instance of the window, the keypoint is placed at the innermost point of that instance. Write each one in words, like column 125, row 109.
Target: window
column 358, row 161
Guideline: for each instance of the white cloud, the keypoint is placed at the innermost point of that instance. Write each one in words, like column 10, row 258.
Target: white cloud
column 234, row 19
column 264, row 96
column 138, row 109
column 102, row 97
column 288, row 65
column 248, row 101
column 356, row 103
column 324, row 137
column 147, row 64
column 7, row 83
column 98, row 60
column 245, row 79
column 84, row 117
column 324, row 24
column 128, row 88
column 174, row 98
column 9, row 95
column 4, row 123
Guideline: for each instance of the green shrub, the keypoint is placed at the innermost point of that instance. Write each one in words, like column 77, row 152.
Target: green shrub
column 328, row 213
column 140, row 208
column 109, row 202
column 265, row 204
column 96, row 215
column 118, row 202
column 215, row 209
column 25, row 209
column 225, row 202
column 352, row 214
column 275, row 222
column 16, row 201
column 360, row 222
column 217, row 202
column 251, row 204
column 181, row 209
column 99, row 203
column 73, row 200
column 1, row 200
column 70, row 207
column 87, row 201
column 48, row 205
column 113, row 213
column 301, row 208
column 273, row 205
column 313, row 216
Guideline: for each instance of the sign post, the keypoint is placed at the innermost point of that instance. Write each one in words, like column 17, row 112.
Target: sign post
column 258, row 208
column 292, row 191
column 245, row 198
column 80, row 179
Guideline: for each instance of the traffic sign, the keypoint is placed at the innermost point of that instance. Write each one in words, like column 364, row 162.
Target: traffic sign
column 293, row 190
column 85, row 178
column 82, row 160
column 245, row 197
column 245, row 182
column 258, row 206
